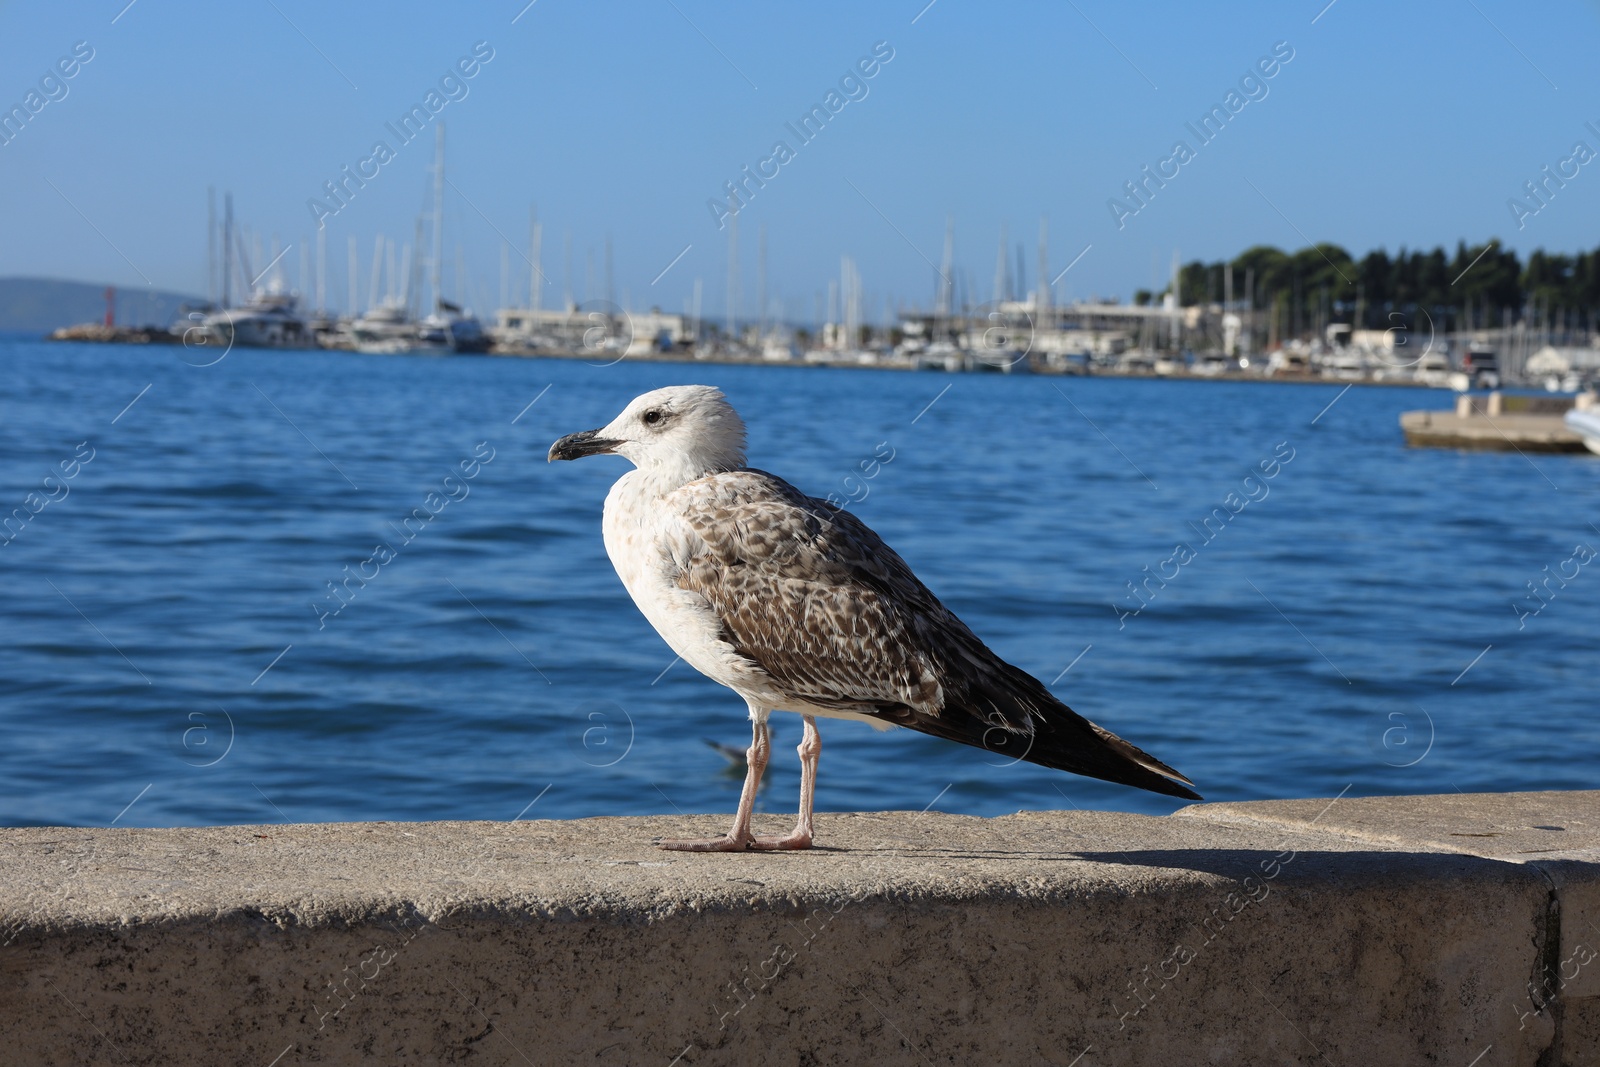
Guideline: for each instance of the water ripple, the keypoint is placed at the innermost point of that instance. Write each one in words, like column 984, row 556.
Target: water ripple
column 180, row 601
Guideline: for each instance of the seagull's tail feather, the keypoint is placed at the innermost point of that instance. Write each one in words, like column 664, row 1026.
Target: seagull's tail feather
column 1067, row 741
column 1059, row 737
column 1118, row 761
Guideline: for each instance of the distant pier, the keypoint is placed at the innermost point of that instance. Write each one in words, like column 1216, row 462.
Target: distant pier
column 1498, row 423
column 118, row 335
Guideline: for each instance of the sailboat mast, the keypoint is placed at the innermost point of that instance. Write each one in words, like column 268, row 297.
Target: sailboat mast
column 945, row 303
column 1021, row 279
column 409, row 270
column 1177, row 304
column 435, row 267
column 536, row 278
column 1042, row 306
column 211, row 245
column 733, row 268
column 227, row 247
column 1000, row 289
column 375, row 276
column 761, row 281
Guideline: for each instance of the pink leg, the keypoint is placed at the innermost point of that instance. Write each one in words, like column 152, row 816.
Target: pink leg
column 810, row 750
column 739, row 838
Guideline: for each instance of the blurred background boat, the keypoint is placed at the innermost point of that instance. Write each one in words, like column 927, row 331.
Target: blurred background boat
column 270, row 315
column 1585, row 421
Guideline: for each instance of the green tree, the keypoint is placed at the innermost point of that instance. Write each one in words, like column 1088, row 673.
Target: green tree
column 1271, row 270
column 1548, row 279
column 1194, row 282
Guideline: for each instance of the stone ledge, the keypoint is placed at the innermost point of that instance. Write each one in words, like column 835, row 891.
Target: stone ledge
column 1502, row 433
column 1378, row 930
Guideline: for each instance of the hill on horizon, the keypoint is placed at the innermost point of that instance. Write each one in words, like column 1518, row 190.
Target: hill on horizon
column 45, row 304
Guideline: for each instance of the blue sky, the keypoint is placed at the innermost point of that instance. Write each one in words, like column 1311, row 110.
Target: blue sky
column 1393, row 124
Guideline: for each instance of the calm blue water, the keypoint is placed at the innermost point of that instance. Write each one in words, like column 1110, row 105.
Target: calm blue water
column 1317, row 641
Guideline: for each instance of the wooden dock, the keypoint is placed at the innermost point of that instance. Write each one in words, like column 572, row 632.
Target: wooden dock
column 1499, row 423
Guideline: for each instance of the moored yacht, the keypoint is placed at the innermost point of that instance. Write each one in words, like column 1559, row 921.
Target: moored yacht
column 384, row 330
column 269, row 319
column 450, row 329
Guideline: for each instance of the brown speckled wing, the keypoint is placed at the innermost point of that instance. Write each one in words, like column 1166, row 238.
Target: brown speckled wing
column 814, row 598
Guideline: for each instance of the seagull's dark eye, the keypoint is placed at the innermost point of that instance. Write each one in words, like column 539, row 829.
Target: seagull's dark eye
column 653, row 417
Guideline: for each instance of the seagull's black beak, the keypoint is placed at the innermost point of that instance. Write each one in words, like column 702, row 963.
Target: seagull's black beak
column 578, row 445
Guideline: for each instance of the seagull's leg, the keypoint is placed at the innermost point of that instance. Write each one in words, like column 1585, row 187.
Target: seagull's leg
column 810, row 750
column 739, row 838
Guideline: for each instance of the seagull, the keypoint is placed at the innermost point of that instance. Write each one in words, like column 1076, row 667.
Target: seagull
column 796, row 605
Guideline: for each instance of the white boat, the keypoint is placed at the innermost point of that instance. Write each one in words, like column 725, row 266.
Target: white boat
column 993, row 343
column 1433, row 370
column 1213, row 364
column 996, row 360
column 267, row 320
column 1136, row 361
column 940, row 356
column 779, row 348
column 1586, row 423
column 452, row 330
column 391, row 328
column 385, row 330
column 1344, row 364
column 448, row 327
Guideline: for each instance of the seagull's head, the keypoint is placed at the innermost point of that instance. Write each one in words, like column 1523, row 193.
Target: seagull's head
column 682, row 432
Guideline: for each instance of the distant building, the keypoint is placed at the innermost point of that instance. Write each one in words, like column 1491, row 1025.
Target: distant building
column 669, row 330
column 527, row 321
column 1551, row 361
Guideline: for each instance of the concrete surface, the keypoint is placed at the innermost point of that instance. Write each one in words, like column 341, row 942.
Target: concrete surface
column 1556, row 833
column 1507, row 432
column 1345, row 931
column 1497, row 403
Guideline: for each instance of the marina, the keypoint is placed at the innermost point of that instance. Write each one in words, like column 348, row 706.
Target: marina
column 1264, row 316
column 1016, row 337
column 1218, row 341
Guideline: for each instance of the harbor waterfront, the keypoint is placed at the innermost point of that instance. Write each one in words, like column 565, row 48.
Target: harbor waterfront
column 704, row 533
column 197, row 598
column 1218, row 340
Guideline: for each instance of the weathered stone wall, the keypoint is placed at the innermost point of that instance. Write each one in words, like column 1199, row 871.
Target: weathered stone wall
column 1457, row 930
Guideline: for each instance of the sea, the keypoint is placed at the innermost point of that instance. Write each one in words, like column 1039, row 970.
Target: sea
column 262, row 587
